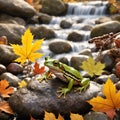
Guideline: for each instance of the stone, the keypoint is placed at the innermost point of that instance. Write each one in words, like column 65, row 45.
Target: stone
column 7, row 54
column 116, row 17
column 86, row 51
column 39, row 97
column 75, row 37
column 18, row 8
column 58, row 7
column 2, row 69
column 76, row 61
column 60, row 46
column 13, row 32
column 105, row 28
column 12, row 79
column 42, row 32
column 65, row 24
column 15, row 68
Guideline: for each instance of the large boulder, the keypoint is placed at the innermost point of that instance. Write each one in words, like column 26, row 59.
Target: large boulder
column 53, row 7
column 17, row 8
column 105, row 28
column 13, row 32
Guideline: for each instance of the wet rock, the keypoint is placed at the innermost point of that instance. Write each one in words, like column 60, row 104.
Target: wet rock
column 74, row 36
column 17, row 8
column 60, row 46
column 4, row 18
column 2, row 69
column 116, row 17
column 44, row 18
column 96, row 116
column 5, row 116
column 40, row 97
column 64, row 60
column 58, row 7
column 87, row 27
column 76, row 61
column 86, row 52
column 15, row 68
column 7, row 54
column 42, row 32
column 108, row 60
column 12, row 79
column 12, row 31
column 105, row 28
column 103, row 78
column 65, row 24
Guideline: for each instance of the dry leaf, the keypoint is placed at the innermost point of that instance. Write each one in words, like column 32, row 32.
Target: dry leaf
column 28, row 49
column 108, row 104
column 37, row 69
column 5, row 90
column 92, row 67
column 4, row 106
column 76, row 117
column 49, row 116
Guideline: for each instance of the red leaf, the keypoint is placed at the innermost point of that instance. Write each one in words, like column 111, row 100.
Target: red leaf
column 37, row 69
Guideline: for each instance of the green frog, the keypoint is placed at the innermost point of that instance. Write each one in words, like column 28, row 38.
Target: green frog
column 67, row 74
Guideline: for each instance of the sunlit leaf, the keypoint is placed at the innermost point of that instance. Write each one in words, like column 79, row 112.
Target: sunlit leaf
column 92, row 67
column 5, row 90
column 4, row 106
column 28, row 49
column 76, row 117
column 109, row 104
column 49, row 116
column 22, row 84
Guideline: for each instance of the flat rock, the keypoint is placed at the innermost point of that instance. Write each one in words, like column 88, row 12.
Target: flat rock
column 40, row 97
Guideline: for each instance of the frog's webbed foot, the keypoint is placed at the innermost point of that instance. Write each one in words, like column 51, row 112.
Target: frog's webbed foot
column 63, row 91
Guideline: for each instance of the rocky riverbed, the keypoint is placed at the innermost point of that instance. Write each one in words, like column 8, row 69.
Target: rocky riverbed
column 66, row 30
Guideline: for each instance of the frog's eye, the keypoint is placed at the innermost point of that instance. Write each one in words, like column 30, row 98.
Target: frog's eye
column 56, row 63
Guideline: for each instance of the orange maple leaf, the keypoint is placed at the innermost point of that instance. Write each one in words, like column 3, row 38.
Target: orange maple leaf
column 108, row 104
column 37, row 69
column 5, row 90
column 76, row 116
column 4, row 106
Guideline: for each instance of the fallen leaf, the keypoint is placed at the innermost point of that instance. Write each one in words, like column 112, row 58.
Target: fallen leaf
column 92, row 67
column 4, row 106
column 76, row 117
column 49, row 116
column 22, row 84
column 37, row 69
column 5, row 90
column 108, row 104
column 28, row 49
column 60, row 117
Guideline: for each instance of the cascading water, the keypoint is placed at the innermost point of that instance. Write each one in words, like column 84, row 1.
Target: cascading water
column 80, row 15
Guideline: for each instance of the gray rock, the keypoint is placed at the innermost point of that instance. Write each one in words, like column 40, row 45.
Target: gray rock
column 86, row 52
column 96, row 116
column 13, row 32
column 12, row 79
column 76, row 61
column 74, row 36
column 60, row 46
column 53, row 7
column 40, row 97
column 17, row 8
column 2, row 69
column 42, row 32
column 7, row 54
column 105, row 28
column 65, row 24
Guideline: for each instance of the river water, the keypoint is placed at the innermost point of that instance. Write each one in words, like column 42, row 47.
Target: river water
column 86, row 12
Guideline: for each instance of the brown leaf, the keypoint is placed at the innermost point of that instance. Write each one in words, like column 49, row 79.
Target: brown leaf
column 4, row 106
column 5, row 90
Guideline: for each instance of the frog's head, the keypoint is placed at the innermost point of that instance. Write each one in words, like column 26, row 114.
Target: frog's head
column 51, row 63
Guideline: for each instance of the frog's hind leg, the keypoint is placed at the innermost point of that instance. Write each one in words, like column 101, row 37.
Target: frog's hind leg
column 64, row 91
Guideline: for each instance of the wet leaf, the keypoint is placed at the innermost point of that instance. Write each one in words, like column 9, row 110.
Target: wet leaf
column 5, row 90
column 4, row 106
column 92, row 67
column 108, row 104
column 28, row 49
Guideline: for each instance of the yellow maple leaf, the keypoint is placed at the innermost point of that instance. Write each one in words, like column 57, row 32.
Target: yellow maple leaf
column 28, row 49
column 108, row 104
column 22, row 84
column 92, row 67
column 76, row 117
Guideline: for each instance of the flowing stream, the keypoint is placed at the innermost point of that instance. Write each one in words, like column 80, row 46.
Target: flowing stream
column 80, row 15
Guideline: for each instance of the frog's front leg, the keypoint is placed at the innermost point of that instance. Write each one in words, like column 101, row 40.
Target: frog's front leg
column 85, row 82
column 64, row 91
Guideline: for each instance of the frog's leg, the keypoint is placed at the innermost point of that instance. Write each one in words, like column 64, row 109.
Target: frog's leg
column 85, row 82
column 64, row 91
